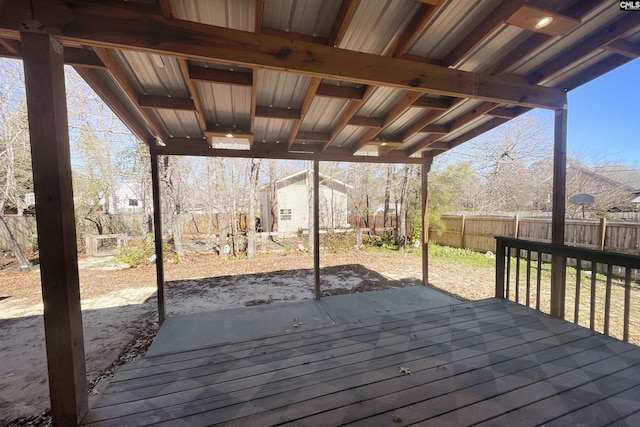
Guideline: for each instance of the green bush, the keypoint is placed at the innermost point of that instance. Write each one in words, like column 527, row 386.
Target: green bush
column 138, row 255
column 386, row 241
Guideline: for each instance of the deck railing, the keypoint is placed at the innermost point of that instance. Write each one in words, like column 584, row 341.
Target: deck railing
column 522, row 274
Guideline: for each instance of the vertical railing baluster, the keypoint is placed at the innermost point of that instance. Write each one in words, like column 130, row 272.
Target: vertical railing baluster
column 538, row 280
column 576, row 314
column 508, row 251
column 592, row 308
column 607, row 299
column 528, row 299
column 500, row 256
column 518, row 275
column 627, row 302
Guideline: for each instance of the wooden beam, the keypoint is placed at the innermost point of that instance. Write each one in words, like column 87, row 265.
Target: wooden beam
column 625, row 48
column 277, row 113
column 313, row 136
column 272, row 150
column 477, row 131
column 216, row 75
column 436, row 129
column 348, row 114
column 422, row 122
column 530, row 45
column 595, row 71
column 306, row 103
column 195, row 94
column 259, row 15
column 414, row 28
column 597, row 41
column 168, row 11
column 507, row 113
column 223, row 131
column 81, row 58
column 157, row 231
column 51, row 159
column 427, row 160
column 362, row 121
column 136, row 27
column 527, row 17
column 254, row 100
column 345, row 14
column 492, row 22
column 96, row 82
column 558, row 263
column 397, row 110
column 120, row 76
column 341, row 92
column 306, row 38
column 316, row 228
column 434, row 103
column 166, row 102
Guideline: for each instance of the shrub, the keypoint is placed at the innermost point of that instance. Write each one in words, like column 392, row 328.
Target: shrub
column 339, row 241
column 141, row 254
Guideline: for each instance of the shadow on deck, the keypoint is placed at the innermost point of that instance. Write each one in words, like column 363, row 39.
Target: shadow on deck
column 429, row 359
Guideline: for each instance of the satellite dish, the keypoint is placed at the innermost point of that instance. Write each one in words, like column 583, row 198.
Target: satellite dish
column 582, row 199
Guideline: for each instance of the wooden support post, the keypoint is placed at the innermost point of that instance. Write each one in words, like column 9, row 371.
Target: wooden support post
column 426, row 167
column 558, row 263
column 516, row 226
column 603, row 233
column 463, row 220
column 500, row 266
column 50, row 156
column 316, row 227
column 157, row 231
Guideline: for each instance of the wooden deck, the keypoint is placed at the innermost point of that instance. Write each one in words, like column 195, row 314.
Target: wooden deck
column 489, row 362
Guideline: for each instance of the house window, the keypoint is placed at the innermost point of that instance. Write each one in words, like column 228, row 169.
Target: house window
column 285, row 214
column 133, row 202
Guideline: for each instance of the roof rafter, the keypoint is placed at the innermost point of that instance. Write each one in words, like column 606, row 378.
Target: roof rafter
column 127, row 26
column 496, row 18
column 414, row 28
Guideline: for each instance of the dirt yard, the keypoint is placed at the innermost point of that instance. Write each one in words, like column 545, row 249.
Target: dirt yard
column 119, row 305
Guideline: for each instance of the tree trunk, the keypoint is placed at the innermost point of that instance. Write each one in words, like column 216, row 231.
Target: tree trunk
column 387, row 195
column 251, row 221
column 221, row 191
column 273, row 198
column 401, row 236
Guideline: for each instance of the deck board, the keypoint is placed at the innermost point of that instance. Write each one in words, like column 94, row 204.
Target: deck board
column 488, row 361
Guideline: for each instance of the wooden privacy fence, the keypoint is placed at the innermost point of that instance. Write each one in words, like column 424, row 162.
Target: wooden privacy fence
column 478, row 232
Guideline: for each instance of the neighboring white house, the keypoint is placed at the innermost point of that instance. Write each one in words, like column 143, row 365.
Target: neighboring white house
column 128, row 199
column 293, row 203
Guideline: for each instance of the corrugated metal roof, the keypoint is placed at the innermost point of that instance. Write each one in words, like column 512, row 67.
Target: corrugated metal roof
column 237, row 14
column 402, row 123
column 505, row 39
column 453, row 22
column 463, row 129
column 381, row 101
column 181, row 124
column 349, row 136
column 272, row 130
column 225, row 105
column 461, row 109
column 578, row 67
column 376, row 23
column 322, row 114
column 282, row 90
column 154, row 74
column 312, row 17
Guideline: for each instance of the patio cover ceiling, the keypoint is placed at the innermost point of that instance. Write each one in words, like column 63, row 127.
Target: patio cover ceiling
column 374, row 80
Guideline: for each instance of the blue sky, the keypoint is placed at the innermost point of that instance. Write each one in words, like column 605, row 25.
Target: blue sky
column 604, row 116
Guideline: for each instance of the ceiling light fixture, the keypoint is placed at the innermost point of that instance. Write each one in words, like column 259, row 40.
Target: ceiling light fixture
column 229, row 134
column 543, row 22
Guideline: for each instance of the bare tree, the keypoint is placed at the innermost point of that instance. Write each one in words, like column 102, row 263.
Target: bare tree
column 273, row 197
column 254, row 175
column 401, row 206
column 387, row 194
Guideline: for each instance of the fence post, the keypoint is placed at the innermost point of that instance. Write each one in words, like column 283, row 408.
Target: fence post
column 462, row 223
column 500, row 255
column 603, row 233
column 516, row 225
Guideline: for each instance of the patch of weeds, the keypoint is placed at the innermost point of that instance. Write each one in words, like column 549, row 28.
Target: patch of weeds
column 144, row 252
column 466, row 256
column 336, row 242
column 386, row 241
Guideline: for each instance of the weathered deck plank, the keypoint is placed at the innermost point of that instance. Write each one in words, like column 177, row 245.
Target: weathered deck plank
column 490, row 361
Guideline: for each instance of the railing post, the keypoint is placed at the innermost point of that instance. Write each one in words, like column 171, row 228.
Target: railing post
column 603, row 233
column 500, row 255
